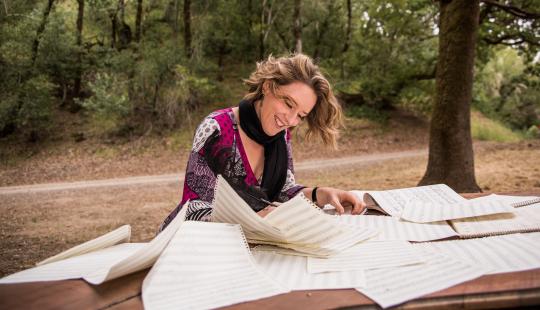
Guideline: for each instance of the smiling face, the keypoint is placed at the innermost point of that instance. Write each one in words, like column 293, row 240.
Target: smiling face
column 286, row 108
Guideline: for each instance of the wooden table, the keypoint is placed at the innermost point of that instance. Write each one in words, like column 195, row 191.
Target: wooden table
column 491, row 291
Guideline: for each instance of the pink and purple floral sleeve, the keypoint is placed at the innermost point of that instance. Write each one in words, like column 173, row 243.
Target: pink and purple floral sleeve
column 290, row 189
column 199, row 180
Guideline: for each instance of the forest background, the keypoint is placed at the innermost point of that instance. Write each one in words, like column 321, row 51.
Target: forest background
column 99, row 89
column 128, row 69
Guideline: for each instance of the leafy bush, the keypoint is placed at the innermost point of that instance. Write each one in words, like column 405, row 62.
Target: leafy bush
column 508, row 91
column 109, row 103
column 367, row 112
column 28, row 109
column 483, row 128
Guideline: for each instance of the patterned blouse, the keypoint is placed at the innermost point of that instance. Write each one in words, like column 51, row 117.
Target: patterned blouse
column 220, row 128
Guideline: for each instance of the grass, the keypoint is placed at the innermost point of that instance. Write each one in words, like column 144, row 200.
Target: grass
column 485, row 129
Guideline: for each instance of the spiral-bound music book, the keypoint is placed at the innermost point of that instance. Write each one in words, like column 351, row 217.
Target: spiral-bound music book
column 524, row 218
column 432, row 203
column 297, row 224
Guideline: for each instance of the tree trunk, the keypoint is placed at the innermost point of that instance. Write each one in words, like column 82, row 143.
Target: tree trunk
column 297, row 26
column 321, row 31
column 221, row 57
column 41, row 28
column 451, row 158
column 78, row 76
column 138, row 21
column 176, row 20
column 187, row 27
column 114, row 27
column 348, row 34
column 122, row 7
column 6, row 8
column 261, row 32
column 117, row 29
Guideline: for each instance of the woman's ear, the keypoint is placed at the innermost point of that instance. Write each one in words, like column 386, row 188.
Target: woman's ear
column 266, row 87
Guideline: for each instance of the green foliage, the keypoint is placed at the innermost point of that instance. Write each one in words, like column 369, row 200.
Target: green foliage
column 35, row 101
column 152, row 86
column 500, row 26
column 367, row 112
column 143, row 90
column 28, row 108
column 507, row 90
column 394, row 45
column 418, row 97
column 483, row 128
column 533, row 132
column 57, row 49
column 110, row 99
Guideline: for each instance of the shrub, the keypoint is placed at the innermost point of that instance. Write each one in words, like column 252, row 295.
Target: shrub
column 483, row 128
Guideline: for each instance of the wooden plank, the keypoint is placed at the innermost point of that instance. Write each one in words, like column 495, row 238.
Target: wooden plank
column 133, row 303
column 70, row 294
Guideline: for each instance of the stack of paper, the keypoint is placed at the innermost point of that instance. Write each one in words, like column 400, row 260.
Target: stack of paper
column 497, row 254
column 368, row 255
column 105, row 263
column 394, row 201
column 392, row 286
column 395, row 271
column 525, row 218
column 297, row 224
column 392, row 228
column 420, row 212
column 291, row 272
column 432, row 203
column 206, row 265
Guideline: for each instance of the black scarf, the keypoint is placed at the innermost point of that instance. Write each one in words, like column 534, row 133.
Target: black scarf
column 275, row 150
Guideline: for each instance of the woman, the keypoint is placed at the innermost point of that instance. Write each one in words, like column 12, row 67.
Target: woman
column 250, row 145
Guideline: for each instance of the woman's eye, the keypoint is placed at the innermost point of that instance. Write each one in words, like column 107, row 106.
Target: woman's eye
column 288, row 104
column 302, row 118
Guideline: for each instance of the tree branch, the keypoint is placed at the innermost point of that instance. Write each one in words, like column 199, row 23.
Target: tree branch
column 512, row 10
column 517, row 38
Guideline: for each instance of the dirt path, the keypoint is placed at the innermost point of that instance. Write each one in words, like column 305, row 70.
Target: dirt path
column 179, row 177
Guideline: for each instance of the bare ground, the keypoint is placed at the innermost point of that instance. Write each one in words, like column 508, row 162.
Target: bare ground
column 38, row 225
column 64, row 161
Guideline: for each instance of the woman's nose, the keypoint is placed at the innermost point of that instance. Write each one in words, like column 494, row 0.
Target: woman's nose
column 292, row 119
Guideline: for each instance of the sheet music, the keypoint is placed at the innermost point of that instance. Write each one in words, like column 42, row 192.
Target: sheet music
column 392, row 286
column 498, row 254
column 119, row 235
column 512, row 200
column 206, row 265
column 420, row 212
column 104, row 264
column 230, row 208
column 523, row 219
column 76, row 266
column 369, row 255
column 392, row 228
column 279, row 250
column 144, row 257
column 394, row 201
column 297, row 224
column 291, row 271
column 304, row 225
column 535, row 236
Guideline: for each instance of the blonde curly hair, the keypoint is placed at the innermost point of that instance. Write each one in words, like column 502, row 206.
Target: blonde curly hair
column 326, row 117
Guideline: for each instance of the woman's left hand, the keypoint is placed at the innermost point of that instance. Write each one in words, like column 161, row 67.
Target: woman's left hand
column 339, row 199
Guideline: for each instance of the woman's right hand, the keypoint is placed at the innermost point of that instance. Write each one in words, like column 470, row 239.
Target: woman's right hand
column 264, row 212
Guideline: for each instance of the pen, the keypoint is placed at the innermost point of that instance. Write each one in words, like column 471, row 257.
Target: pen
column 261, row 199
